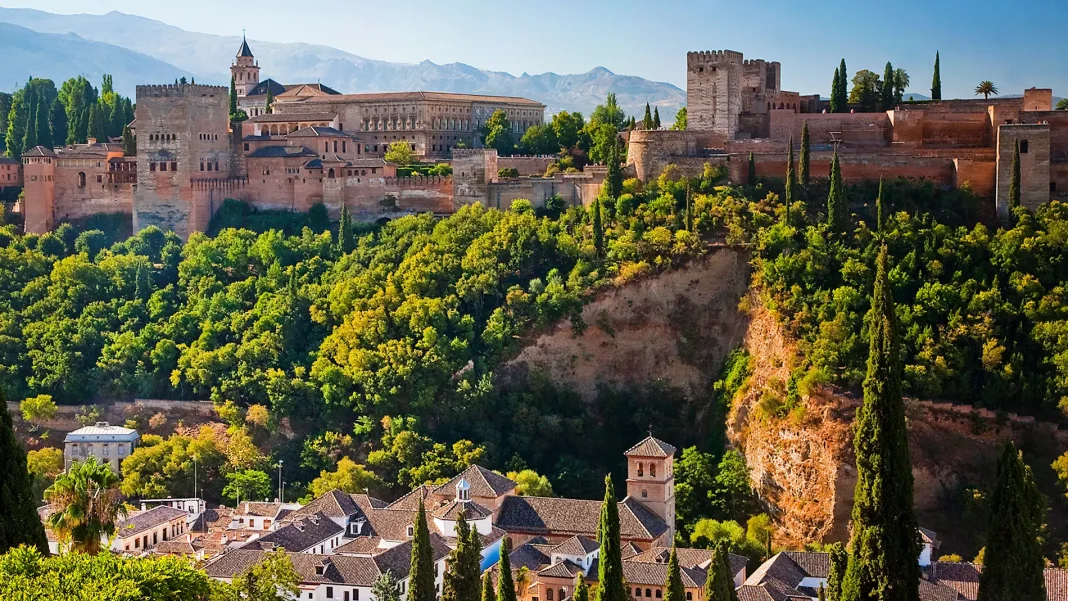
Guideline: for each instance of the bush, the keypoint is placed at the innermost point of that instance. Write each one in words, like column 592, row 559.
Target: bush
column 507, row 173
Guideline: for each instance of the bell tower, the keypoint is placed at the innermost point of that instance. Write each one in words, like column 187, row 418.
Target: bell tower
column 245, row 70
column 651, row 479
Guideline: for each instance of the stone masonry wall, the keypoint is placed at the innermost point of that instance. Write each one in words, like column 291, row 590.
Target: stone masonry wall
column 1034, row 165
column 714, row 91
column 526, row 165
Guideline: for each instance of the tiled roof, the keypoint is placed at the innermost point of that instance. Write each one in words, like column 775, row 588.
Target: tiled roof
column 484, row 483
column 689, row 558
column 9, row 161
column 308, row 89
column 411, row 500
column 1056, row 584
column 655, row 574
column 294, row 117
column 39, row 151
column 651, row 447
column 333, row 504
column 470, row 510
column 316, row 131
column 629, row 550
column 930, row 591
column 261, row 88
column 398, row 559
column 299, row 535
column 748, row 592
column 544, row 515
column 258, row 509
column 814, row 565
column 429, row 96
column 363, row 545
column 577, row 545
column 281, row 152
column 148, row 519
column 964, row 579
column 560, row 569
column 174, row 547
column 336, row 569
column 367, row 502
column 527, row 556
column 101, row 431
column 211, row 519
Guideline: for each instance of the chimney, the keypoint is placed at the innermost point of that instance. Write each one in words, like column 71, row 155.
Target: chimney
column 91, row 141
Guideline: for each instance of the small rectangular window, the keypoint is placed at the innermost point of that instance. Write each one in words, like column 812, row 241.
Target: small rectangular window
column 329, row 592
column 1023, row 146
column 1053, row 186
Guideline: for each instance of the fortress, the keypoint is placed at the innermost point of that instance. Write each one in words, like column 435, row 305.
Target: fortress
column 318, row 146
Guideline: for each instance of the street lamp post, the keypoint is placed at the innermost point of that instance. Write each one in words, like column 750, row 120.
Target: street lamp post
column 280, row 490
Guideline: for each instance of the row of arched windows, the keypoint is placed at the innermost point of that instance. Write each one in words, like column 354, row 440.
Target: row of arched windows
column 641, row 470
column 209, row 136
column 163, row 137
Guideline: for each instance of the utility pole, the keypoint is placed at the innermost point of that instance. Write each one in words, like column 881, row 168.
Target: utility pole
column 195, row 476
column 280, row 498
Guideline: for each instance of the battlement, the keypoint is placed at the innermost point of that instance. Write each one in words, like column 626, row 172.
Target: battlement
column 417, row 181
column 459, row 153
column 171, row 90
column 222, row 183
column 714, row 57
column 754, row 62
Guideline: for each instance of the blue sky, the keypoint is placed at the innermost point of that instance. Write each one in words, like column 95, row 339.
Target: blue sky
column 1016, row 45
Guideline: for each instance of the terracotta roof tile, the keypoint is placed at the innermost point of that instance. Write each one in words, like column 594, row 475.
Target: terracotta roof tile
column 298, row 535
column 577, row 545
column 651, row 447
column 484, row 483
column 148, row 519
column 470, row 510
column 544, row 515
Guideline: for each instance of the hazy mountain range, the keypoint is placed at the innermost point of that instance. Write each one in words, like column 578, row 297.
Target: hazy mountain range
column 137, row 50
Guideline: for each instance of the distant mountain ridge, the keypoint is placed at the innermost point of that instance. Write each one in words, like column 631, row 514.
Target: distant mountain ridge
column 207, row 57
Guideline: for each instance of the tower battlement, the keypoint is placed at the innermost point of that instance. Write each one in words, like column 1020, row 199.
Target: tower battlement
column 171, row 90
column 713, row 57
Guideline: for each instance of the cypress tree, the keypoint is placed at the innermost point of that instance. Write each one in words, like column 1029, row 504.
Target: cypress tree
column 1014, row 181
column 834, row 92
column 843, row 88
column 57, row 121
column 582, row 591
column 233, row 98
column 487, row 588
column 839, row 562
column 879, row 209
column 116, row 118
column 885, row 543
column 421, row 576
column 128, row 111
column 16, row 125
column 790, row 180
column 610, row 567
column 719, row 585
column 129, row 142
column 269, row 107
column 505, row 584
column 96, row 124
column 19, row 523
column 821, row 593
column 345, row 239
column 614, row 177
column 673, row 587
column 647, row 121
column 29, row 122
column 598, row 229
column 656, row 117
column 836, row 214
column 805, row 166
column 936, row 82
column 688, row 218
column 1013, row 565
column 460, row 581
column 887, row 92
column 752, row 176
column 44, row 132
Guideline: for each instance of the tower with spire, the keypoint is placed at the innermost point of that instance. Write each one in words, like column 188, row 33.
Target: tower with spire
column 245, row 70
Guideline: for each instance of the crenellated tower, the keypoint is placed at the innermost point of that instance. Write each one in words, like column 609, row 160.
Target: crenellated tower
column 714, row 91
column 245, row 70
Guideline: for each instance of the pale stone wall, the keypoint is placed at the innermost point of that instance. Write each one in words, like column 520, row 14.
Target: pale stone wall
column 526, row 165
column 713, row 91
column 1034, row 165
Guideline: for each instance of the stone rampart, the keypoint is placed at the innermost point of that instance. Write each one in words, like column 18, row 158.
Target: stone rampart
column 526, row 165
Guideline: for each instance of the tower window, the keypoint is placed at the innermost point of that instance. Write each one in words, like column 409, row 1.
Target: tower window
column 652, row 470
column 641, row 469
column 1023, row 146
column 1053, row 186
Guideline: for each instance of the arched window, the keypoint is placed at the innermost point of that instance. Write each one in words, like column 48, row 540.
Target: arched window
column 641, row 469
column 652, row 470
column 330, row 174
column 659, row 594
column 563, row 594
column 648, row 592
column 81, row 179
column 549, row 595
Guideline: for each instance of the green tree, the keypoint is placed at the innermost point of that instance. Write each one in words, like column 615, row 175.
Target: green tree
column 879, row 208
column 901, row 83
column 582, row 590
column 505, row 584
column 531, row 484
column 656, row 117
column 609, row 113
column 614, row 178
column 719, row 585
column 1014, row 180
column 345, row 239
column 487, row 587
column 647, row 121
column 805, row 168
column 886, row 94
column 19, row 523
column 884, row 547
column 843, row 84
column 272, row 579
column 462, row 568
column 790, row 183
column 386, row 587
column 85, row 505
column 233, row 98
column 680, row 120
column 836, row 203
column 866, row 90
column 269, row 103
column 29, row 139
column 539, row 140
column 673, row 587
column 421, row 575
column 611, row 586
column 839, row 561
column 598, row 228
column 566, row 127
column 497, row 133
column 986, row 88
column 248, row 485
column 129, row 142
column 399, row 153
column 751, row 177
column 96, row 124
column 1013, row 566
column 349, row 477
column 835, row 83
column 57, row 122
column 38, row 409
column 1062, row 104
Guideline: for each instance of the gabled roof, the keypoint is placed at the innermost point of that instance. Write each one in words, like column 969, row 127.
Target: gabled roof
column 309, row 89
column 484, row 483
column 689, row 558
column 651, row 447
column 411, row 500
column 398, row 559
column 244, row 51
column 929, row 536
column 655, row 574
column 9, row 161
column 281, row 152
column 293, row 117
column 336, row 569
column 212, row 519
column 39, row 151
column 577, row 545
column 299, row 535
column 144, row 520
column 362, row 545
column 963, row 578
column 332, row 504
column 262, row 509
column 453, row 509
column 527, row 556
column 561, row 569
column 545, row 515
column 629, row 550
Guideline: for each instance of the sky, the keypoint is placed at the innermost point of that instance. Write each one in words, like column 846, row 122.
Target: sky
column 1016, row 45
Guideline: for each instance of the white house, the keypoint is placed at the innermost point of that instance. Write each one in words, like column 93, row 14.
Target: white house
column 110, row 444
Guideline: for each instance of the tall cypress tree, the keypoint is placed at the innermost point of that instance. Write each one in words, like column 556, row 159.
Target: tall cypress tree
column 821, row 593
column 96, row 124
column 688, row 218
column 610, row 567
column 461, row 581
column 421, row 575
column 233, row 98
column 345, row 238
column 269, row 107
column 839, row 560
column 887, row 91
column 582, row 591
column 719, row 585
column 751, row 177
column 129, row 142
column 790, row 180
column 834, row 92
column 647, row 121
column 19, row 523
column 805, row 167
column 116, row 119
column 885, row 541
column 936, row 81
column 1014, row 181
column 843, row 88
column 656, row 117
column 673, row 587
column 1013, row 565
column 57, row 121
column 44, row 132
column 598, row 228
column 505, row 583
column 29, row 127
column 487, row 587
column 614, row 178
column 836, row 211
column 879, row 209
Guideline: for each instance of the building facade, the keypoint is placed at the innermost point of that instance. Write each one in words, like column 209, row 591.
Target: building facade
column 109, row 444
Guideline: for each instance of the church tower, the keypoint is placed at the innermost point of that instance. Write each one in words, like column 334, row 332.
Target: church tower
column 651, row 479
column 245, row 70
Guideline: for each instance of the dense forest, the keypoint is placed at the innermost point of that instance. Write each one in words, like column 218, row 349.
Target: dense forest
column 379, row 343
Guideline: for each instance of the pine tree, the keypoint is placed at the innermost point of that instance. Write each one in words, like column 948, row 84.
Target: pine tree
column 879, row 209
column 834, row 92
column 647, row 121
column 885, row 544
column 843, row 88
column 839, row 560
column 752, row 176
column 582, row 591
column 719, row 585
column 610, row 567
column 487, row 587
column 19, row 523
column 57, row 121
column 598, row 229
column 129, row 142
column 887, row 92
column 1014, row 181
column 460, row 581
column 936, row 82
column 269, row 107
column 806, row 157
column 421, row 576
column 505, row 584
column 233, row 98
column 656, row 117
column 96, row 124
column 1013, row 565
column 673, row 587
column 836, row 215
column 790, row 193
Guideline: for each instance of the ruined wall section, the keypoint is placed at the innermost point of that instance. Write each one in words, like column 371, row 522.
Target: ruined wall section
column 179, row 129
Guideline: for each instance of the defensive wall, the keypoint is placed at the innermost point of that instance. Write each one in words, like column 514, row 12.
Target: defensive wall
column 526, row 165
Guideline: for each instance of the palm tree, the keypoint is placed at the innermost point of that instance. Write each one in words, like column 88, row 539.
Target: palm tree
column 85, row 504
column 986, row 88
column 901, row 83
column 522, row 581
